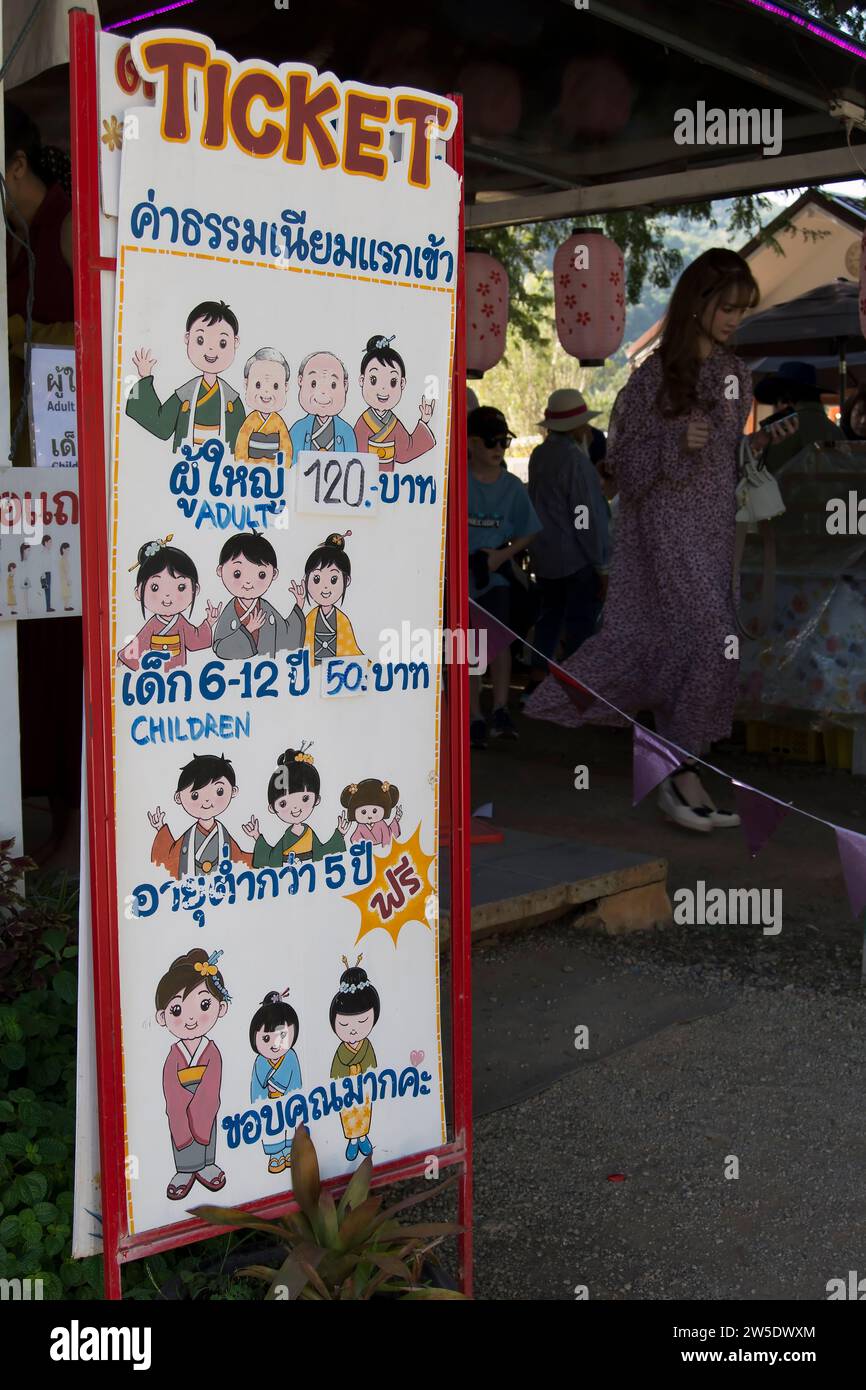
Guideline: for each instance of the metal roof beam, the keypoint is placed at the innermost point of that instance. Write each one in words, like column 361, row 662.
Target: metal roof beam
column 686, row 186
column 738, row 66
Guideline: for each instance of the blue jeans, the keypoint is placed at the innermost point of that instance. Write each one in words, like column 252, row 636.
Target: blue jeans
column 570, row 608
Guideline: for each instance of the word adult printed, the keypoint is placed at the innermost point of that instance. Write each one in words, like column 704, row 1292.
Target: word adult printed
column 717, row 907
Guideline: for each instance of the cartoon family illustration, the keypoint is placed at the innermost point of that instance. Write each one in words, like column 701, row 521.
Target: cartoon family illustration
column 167, row 586
column 207, row 785
column 207, row 407
column 191, row 998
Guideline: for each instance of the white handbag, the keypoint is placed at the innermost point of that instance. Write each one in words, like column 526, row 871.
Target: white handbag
column 759, row 501
column 758, row 495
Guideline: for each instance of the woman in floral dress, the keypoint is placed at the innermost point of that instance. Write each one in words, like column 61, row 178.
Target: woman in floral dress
column 665, row 642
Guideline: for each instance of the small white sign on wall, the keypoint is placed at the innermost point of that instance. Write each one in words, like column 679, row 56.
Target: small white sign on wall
column 40, row 553
column 52, row 407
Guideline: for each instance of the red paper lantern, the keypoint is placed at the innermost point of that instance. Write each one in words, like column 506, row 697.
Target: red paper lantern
column 589, row 290
column 486, row 312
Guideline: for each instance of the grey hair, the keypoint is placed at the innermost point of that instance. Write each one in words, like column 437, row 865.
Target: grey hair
column 323, row 352
column 268, row 355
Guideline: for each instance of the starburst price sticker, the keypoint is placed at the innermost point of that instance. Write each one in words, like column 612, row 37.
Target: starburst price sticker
column 399, row 891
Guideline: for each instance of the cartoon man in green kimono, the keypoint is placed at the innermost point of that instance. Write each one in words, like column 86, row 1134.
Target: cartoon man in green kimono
column 205, row 407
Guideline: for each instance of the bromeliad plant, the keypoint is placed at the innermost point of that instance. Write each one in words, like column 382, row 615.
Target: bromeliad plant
column 352, row 1249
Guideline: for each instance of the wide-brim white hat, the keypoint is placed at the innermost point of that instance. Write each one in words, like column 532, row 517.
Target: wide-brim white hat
column 566, row 410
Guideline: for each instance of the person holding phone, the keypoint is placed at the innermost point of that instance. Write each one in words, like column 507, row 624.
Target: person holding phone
column 664, row 645
column 795, row 393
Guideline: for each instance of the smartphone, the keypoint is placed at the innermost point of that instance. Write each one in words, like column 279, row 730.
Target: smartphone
column 791, row 414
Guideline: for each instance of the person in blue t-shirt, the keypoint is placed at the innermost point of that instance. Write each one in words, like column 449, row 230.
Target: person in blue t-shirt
column 502, row 522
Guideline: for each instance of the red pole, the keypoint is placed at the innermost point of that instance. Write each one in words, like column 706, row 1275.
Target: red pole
column 87, row 264
column 458, row 747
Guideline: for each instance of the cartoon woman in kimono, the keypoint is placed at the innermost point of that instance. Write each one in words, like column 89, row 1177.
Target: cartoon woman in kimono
column 190, row 998
column 276, row 1070
column 354, row 1013
column 327, row 576
column 368, row 805
column 166, row 586
column 378, row 431
column 11, row 596
column 293, row 795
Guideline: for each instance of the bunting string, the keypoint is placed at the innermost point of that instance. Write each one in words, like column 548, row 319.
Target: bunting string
column 654, row 759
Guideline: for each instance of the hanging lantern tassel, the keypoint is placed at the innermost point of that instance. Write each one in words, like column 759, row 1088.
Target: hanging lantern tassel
column 589, row 292
column 486, row 312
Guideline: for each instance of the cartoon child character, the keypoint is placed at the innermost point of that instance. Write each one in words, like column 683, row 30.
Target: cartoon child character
column 24, row 555
column 293, row 795
column 327, row 576
column 65, row 578
column 204, row 789
column 45, row 576
column 354, row 1013
column 166, row 586
column 276, row 1070
column 264, row 433
column 11, row 596
column 190, row 998
column 322, row 385
column 249, row 625
column 368, row 804
column 378, row 431
column 205, row 407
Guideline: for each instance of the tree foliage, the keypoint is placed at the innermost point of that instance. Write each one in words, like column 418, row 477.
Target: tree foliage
column 640, row 233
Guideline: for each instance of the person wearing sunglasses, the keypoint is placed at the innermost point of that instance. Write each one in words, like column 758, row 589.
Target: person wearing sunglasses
column 502, row 522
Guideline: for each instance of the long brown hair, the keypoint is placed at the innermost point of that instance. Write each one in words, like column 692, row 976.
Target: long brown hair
column 716, row 275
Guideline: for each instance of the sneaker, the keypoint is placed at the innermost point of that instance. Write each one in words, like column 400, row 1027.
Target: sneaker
column 502, row 726
column 677, row 809
column 478, row 734
column 723, row 820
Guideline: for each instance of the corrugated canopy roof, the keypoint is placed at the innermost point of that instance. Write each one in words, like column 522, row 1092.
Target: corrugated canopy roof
column 571, row 110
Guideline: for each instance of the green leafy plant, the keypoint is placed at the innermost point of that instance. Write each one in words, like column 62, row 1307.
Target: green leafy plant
column 353, row 1249
column 37, row 1085
column 35, row 932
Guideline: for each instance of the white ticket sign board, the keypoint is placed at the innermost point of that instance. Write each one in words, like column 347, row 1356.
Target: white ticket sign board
column 283, row 349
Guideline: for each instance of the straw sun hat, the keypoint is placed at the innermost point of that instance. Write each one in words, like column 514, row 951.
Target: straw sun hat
column 566, row 410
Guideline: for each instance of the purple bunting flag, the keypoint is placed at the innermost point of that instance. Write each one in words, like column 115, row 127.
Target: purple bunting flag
column 852, row 853
column 498, row 636
column 652, row 761
column 760, row 815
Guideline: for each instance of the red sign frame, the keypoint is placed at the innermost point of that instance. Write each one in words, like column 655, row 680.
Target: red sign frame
column 119, row 1246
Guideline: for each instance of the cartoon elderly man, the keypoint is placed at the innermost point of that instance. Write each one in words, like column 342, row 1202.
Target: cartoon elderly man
column 322, row 386
column 264, row 433
column 205, row 407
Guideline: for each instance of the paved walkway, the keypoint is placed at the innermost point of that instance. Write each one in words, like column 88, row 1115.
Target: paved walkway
column 706, row 1045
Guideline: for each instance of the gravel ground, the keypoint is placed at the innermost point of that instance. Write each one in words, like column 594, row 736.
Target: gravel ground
column 774, row 1081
